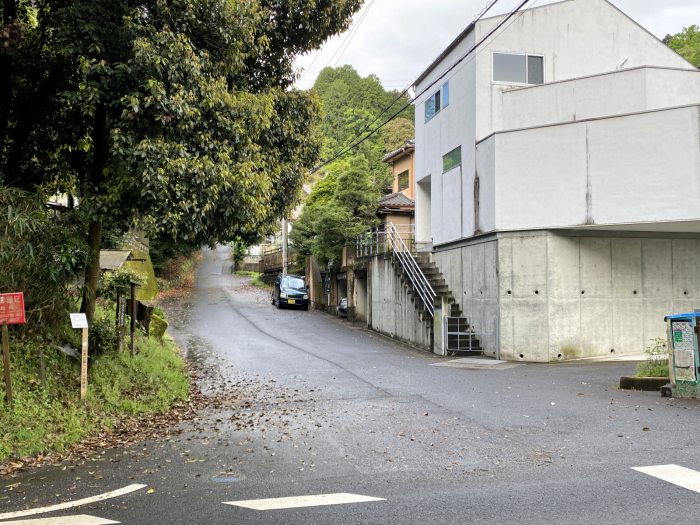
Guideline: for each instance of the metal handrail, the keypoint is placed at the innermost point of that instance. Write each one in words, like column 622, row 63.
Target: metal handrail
column 410, row 266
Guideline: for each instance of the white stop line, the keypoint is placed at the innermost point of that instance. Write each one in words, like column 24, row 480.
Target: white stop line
column 681, row 476
column 296, row 502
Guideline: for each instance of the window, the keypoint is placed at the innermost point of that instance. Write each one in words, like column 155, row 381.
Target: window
column 445, row 95
column 452, row 159
column 439, row 100
column 518, row 68
column 432, row 106
column 403, row 180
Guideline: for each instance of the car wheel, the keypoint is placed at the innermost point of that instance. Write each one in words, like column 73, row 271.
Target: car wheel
column 305, row 307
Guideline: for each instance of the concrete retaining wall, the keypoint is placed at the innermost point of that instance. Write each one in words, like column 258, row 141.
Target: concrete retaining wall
column 393, row 313
column 470, row 273
column 584, row 294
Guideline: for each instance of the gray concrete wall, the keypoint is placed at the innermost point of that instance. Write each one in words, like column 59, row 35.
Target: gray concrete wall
column 587, row 294
column 361, row 298
column 471, row 274
column 392, row 312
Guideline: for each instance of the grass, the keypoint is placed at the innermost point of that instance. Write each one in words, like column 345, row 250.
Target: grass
column 256, row 278
column 50, row 417
column 656, row 364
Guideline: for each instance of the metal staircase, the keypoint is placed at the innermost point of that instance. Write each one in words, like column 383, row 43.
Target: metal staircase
column 424, row 283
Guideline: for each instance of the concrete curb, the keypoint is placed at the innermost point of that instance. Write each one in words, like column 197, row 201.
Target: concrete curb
column 648, row 384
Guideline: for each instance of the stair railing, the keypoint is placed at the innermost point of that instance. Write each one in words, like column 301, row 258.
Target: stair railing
column 410, row 267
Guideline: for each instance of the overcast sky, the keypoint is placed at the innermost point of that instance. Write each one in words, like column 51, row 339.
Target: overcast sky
column 397, row 39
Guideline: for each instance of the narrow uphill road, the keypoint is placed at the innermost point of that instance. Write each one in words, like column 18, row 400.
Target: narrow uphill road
column 304, row 404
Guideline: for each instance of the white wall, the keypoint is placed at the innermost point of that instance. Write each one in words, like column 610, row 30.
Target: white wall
column 578, row 38
column 610, row 94
column 454, row 126
column 617, row 171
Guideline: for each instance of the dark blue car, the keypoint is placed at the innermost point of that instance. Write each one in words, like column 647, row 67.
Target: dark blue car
column 292, row 291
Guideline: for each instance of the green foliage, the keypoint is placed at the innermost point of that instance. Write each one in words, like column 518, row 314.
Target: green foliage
column 40, row 255
column 349, row 105
column 52, row 417
column 256, row 279
column 686, row 43
column 148, row 382
column 656, row 364
column 119, row 282
column 339, row 208
column 172, row 116
column 102, row 334
column 397, row 132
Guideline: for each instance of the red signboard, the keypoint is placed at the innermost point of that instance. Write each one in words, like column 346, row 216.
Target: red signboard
column 12, row 308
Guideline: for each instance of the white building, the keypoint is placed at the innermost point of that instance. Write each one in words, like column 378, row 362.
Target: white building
column 558, row 181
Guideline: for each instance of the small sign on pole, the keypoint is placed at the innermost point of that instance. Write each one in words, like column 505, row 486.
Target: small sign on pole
column 80, row 321
column 11, row 312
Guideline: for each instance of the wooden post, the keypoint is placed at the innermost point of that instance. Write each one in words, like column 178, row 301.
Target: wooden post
column 84, row 366
column 6, row 362
column 133, row 316
column 121, row 307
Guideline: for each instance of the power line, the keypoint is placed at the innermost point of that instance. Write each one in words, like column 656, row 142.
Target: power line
column 359, row 141
column 478, row 17
column 352, row 34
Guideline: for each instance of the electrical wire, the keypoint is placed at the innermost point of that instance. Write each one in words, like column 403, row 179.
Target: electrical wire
column 478, row 17
column 348, row 37
column 358, row 141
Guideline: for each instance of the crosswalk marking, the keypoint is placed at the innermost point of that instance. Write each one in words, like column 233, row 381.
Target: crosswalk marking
column 64, row 520
column 681, row 476
column 297, row 502
column 72, row 504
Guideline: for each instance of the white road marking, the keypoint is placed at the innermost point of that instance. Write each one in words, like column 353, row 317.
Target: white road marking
column 72, row 504
column 681, row 476
column 65, row 520
column 297, row 502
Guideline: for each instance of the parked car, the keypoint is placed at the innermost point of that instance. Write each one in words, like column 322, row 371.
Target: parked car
column 290, row 290
column 343, row 307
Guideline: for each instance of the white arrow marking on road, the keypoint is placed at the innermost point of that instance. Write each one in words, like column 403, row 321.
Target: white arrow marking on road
column 681, row 476
column 65, row 520
column 72, row 504
column 297, row 502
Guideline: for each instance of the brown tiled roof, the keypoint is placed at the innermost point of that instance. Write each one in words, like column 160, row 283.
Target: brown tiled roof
column 396, row 200
column 408, row 147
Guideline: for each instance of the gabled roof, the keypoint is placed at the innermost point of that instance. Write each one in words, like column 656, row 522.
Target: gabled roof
column 472, row 25
column 408, row 148
column 113, row 259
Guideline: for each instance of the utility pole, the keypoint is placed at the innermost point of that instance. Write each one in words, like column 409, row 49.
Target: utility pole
column 284, row 247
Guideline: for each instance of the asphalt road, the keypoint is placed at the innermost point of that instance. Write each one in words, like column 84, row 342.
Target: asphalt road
column 307, row 404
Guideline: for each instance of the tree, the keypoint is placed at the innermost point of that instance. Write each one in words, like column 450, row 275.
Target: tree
column 397, row 132
column 341, row 206
column 686, row 43
column 172, row 115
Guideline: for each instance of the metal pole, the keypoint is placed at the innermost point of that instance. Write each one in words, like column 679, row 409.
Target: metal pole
column 6, row 362
column 285, row 262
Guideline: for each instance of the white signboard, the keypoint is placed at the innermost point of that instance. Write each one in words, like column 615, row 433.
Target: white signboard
column 78, row 321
